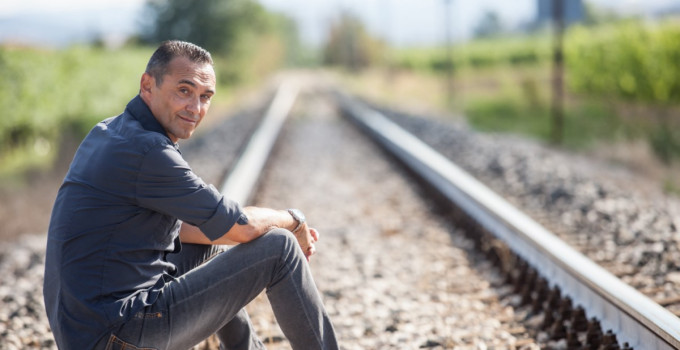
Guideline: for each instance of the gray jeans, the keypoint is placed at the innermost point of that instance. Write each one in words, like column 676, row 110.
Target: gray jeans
column 209, row 299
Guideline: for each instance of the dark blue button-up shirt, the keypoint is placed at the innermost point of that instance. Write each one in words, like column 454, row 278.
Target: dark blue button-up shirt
column 114, row 221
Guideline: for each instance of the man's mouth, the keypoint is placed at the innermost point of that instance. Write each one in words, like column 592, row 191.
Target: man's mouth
column 188, row 119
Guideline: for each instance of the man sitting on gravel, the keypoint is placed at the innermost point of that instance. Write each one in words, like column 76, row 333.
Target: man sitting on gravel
column 131, row 256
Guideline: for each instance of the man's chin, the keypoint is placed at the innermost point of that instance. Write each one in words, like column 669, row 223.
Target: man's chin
column 180, row 135
column 186, row 135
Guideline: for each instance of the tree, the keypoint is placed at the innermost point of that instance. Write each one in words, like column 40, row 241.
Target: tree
column 349, row 45
column 489, row 26
column 216, row 25
column 251, row 41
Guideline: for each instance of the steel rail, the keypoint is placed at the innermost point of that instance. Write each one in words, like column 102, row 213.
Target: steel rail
column 633, row 317
column 240, row 182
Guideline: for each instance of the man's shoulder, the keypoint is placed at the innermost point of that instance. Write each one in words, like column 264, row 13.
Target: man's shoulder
column 128, row 130
column 118, row 148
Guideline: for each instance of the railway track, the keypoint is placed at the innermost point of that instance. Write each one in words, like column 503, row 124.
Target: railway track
column 533, row 258
column 574, row 293
column 414, row 287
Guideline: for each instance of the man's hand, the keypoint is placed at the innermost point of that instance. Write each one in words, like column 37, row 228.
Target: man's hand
column 260, row 221
column 306, row 237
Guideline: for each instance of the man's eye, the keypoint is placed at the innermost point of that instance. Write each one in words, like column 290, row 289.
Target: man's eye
column 184, row 91
column 206, row 98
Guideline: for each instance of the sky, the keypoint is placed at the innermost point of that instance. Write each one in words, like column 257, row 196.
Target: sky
column 408, row 22
column 401, row 22
column 60, row 22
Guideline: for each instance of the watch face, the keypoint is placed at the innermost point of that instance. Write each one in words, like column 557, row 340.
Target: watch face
column 297, row 214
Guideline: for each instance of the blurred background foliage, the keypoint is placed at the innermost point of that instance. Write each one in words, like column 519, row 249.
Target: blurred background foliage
column 248, row 41
column 622, row 82
column 612, row 70
column 622, row 75
column 49, row 96
column 349, row 45
column 52, row 97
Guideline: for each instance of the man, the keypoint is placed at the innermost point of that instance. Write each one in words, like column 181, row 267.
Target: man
column 131, row 256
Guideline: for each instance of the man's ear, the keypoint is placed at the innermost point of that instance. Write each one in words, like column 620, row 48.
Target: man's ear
column 146, row 83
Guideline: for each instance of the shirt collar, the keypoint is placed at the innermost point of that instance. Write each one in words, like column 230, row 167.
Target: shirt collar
column 140, row 111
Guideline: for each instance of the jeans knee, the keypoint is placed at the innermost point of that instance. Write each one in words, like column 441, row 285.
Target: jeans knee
column 282, row 235
column 285, row 239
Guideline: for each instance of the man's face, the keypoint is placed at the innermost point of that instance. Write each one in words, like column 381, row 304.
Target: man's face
column 182, row 99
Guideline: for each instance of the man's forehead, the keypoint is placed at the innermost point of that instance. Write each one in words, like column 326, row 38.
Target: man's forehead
column 182, row 69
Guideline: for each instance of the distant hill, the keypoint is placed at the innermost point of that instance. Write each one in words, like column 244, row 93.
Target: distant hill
column 63, row 29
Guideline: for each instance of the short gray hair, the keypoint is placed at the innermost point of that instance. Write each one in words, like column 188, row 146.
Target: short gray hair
column 159, row 61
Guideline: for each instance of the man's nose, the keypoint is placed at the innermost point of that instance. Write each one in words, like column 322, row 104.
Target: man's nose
column 194, row 105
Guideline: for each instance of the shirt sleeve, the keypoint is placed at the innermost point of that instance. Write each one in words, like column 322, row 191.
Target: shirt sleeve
column 167, row 184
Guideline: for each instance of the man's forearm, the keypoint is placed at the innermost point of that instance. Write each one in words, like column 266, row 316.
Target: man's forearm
column 260, row 221
column 191, row 234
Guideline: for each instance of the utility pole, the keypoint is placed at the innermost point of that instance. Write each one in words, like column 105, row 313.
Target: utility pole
column 387, row 54
column 557, row 107
column 449, row 54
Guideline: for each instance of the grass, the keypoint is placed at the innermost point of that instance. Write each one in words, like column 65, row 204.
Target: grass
column 517, row 101
column 51, row 94
column 499, row 99
column 506, row 100
column 52, row 98
column 586, row 122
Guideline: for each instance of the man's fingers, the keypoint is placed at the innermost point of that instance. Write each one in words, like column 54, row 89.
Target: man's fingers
column 307, row 240
column 314, row 233
column 310, row 251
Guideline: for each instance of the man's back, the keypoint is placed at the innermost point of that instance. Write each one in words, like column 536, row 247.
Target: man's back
column 109, row 276
column 102, row 265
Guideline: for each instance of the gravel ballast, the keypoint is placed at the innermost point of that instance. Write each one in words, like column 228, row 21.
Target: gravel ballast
column 617, row 219
column 392, row 274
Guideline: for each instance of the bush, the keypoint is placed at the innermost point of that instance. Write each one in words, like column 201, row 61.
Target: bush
column 45, row 94
column 630, row 60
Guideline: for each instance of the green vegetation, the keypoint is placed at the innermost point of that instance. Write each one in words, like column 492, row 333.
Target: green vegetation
column 623, row 83
column 46, row 94
column 588, row 122
column 478, row 54
column 629, row 60
column 52, row 97
column 350, row 46
column 250, row 41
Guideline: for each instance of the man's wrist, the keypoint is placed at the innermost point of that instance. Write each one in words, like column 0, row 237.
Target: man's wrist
column 299, row 218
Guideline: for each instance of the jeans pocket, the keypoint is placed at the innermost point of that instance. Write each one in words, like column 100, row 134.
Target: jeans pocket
column 145, row 330
column 116, row 343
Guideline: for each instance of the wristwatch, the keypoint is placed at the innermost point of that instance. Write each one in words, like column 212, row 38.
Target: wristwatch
column 298, row 216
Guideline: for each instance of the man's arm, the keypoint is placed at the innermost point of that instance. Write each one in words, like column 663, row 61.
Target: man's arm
column 260, row 221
